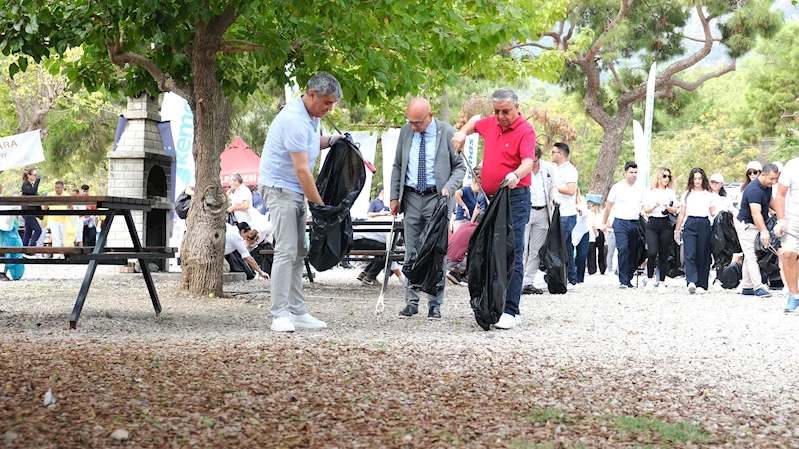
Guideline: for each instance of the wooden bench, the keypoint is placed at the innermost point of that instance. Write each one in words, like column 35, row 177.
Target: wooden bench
column 108, row 206
column 362, row 255
column 79, row 255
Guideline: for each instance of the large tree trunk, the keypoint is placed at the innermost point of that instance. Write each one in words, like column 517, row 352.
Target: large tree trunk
column 203, row 248
column 602, row 180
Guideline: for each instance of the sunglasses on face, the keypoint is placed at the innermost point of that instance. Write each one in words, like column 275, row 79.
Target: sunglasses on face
column 666, row 176
column 752, row 172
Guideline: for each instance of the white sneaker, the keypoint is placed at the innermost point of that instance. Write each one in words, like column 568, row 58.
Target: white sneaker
column 282, row 324
column 718, row 288
column 518, row 319
column 700, row 290
column 506, row 321
column 662, row 288
column 650, row 286
column 306, row 321
column 691, row 288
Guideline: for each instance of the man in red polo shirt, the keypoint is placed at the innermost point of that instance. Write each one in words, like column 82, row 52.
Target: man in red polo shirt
column 508, row 154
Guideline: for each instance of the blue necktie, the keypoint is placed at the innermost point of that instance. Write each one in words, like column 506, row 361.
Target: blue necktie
column 422, row 181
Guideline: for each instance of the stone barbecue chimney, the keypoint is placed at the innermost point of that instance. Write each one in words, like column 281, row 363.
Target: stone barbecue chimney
column 139, row 168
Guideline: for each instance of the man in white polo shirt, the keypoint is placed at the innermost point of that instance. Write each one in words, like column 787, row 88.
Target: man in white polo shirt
column 627, row 199
column 292, row 145
column 566, row 185
column 787, row 206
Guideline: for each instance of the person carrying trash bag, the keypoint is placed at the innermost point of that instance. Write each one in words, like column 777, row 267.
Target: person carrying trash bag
column 490, row 265
column 509, row 153
column 554, row 256
column 286, row 180
column 426, row 168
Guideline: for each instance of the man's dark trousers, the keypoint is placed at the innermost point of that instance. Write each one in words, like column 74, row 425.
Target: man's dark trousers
column 627, row 243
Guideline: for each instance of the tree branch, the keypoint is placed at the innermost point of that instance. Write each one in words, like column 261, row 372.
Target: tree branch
column 676, row 82
column 664, row 78
column 592, row 52
column 509, row 48
column 621, row 84
column 239, row 46
column 166, row 84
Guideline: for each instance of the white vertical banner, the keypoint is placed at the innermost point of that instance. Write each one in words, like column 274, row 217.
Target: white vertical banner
column 643, row 168
column 176, row 110
column 639, row 144
column 470, row 152
column 20, row 150
column 367, row 141
column 389, row 140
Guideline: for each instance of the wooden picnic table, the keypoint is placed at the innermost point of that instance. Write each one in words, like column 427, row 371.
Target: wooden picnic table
column 108, row 206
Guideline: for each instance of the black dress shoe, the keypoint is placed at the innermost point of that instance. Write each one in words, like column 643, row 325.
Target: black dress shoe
column 409, row 311
column 530, row 290
column 434, row 313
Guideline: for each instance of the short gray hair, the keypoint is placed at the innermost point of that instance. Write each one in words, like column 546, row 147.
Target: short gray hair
column 770, row 168
column 505, row 94
column 236, row 177
column 324, row 84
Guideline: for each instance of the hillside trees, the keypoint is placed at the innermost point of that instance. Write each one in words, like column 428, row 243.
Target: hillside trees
column 625, row 37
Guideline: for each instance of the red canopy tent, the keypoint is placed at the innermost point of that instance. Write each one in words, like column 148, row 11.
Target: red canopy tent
column 239, row 158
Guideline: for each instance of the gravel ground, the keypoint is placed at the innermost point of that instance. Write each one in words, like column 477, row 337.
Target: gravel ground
column 597, row 367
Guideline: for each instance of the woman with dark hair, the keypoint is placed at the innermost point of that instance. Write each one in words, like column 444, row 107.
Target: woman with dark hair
column 753, row 169
column 697, row 205
column 30, row 187
column 658, row 204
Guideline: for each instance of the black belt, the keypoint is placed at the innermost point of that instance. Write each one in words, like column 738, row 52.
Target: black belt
column 657, row 218
column 426, row 192
column 538, row 207
column 631, row 221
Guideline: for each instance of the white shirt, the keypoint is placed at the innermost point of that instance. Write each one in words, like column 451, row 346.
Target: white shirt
column 664, row 196
column 234, row 242
column 538, row 196
column 698, row 204
column 626, row 200
column 564, row 175
column 724, row 203
column 241, row 194
column 790, row 177
column 7, row 221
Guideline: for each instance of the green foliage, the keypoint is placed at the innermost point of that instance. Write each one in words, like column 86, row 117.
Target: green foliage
column 653, row 428
column 773, row 86
column 379, row 50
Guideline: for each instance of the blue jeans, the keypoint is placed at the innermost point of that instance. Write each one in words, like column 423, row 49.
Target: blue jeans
column 582, row 258
column 520, row 214
column 567, row 225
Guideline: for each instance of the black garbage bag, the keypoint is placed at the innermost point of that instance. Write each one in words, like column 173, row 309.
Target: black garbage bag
column 553, row 256
column 767, row 258
column 491, row 258
column 723, row 240
column 674, row 265
column 425, row 266
column 182, row 205
column 263, row 260
column 641, row 254
column 239, row 265
column 339, row 183
column 731, row 275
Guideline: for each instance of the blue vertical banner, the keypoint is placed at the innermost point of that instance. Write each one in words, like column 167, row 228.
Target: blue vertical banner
column 177, row 112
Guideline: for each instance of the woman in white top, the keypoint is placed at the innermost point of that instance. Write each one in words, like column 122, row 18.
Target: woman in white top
column 697, row 205
column 659, row 202
column 723, row 202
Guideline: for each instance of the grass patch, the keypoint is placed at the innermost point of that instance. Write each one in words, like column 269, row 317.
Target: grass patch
column 655, row 429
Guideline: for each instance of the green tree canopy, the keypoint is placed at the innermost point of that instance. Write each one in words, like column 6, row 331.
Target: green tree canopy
column 772, row 95
column 212, row 50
